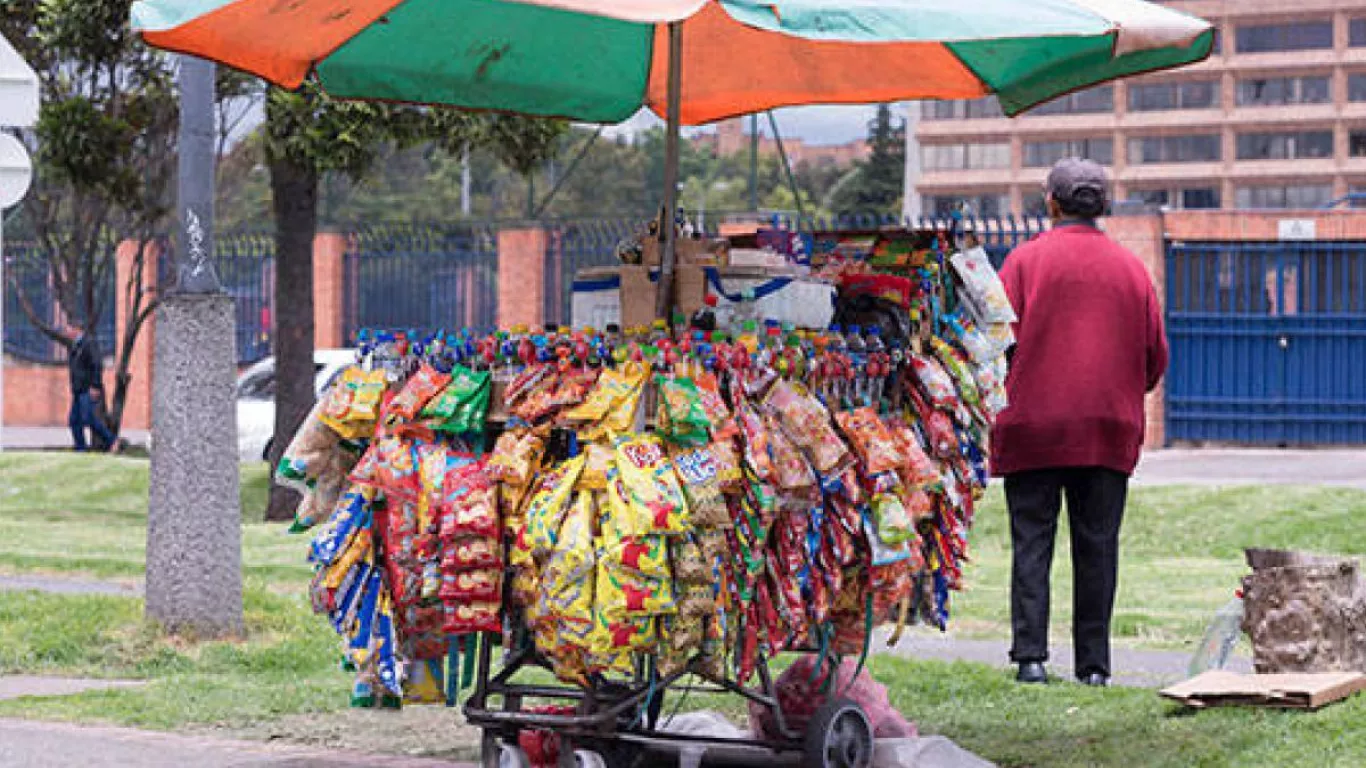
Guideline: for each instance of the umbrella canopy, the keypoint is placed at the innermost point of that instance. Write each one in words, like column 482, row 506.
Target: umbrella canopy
column 601, row 60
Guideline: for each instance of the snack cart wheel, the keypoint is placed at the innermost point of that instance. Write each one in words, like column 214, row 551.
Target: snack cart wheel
column 495, row 753
column 839, row 736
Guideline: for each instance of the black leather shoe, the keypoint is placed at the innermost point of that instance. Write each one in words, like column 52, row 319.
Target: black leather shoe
column 1032, row 672
column 1095, row 680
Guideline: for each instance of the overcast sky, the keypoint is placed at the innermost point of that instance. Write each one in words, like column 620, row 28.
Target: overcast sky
column 814, row 125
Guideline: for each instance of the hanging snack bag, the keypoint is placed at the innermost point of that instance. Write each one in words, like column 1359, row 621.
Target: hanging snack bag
column 682, row 417
column 515, row 456
column 725, row 451
column 574, row 557
column 916, row 468
column 463, row 404
column 596, row 467
column 792, row 470
column 982, row 286
column 422, row 386
column 646, row 556
column 352, row 404
column 649, row 498
column 959, row 369
column 756, row 442
column 699, row 472
column 469, row 618
column 549, row 504
column 894, row 524
column 611, row 407
column 807, row 422
column 709, row 394
column 623, row 593
column 936, row 382
column 309, row 453
column 873, row 442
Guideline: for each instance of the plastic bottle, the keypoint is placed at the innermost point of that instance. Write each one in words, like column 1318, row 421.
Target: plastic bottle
column 1219, row 639
column 704, row 319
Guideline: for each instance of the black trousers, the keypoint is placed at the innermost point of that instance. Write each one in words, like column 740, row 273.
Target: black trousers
column 1095, row 508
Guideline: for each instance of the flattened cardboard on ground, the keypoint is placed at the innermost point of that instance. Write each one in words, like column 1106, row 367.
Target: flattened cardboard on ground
column 1294, row 691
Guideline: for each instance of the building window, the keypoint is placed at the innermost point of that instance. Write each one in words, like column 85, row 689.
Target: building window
column 1199, row 198
column 1356, row 86
column 1285, row 146
column 1090, row 101
column 1356, row 33
column 1149, row 196
column 1042, row 154
column 1152, row 97
column 1174, row 149
column 1291, row 196
column 956, row 157
column 1284, row 90
column 1295, row 36
column 1194, row 198
column 967, row 109
column 982, row 205
column 1356, row 143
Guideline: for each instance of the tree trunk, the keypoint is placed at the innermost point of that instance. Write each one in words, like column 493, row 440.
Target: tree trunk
column 294, row 189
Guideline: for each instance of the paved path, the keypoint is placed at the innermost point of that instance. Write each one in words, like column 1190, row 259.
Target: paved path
column 55, row 438
column 58, row 745
column 1218, row 466
column 18, row 686
column 59, row 585
column 1135, row 668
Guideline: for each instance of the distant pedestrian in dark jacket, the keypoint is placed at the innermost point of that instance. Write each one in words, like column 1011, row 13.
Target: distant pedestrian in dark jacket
column 85, row 371
column 1090, row 344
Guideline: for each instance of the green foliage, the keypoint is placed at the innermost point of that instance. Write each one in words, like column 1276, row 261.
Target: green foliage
column 875, row 185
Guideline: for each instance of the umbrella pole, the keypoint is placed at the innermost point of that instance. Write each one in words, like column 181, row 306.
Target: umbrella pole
column 664, row 301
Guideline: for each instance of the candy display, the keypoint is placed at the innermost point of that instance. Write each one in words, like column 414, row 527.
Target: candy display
column 694, row 500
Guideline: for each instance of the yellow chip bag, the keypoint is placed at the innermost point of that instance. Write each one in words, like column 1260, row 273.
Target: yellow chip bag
column 353, row 403
column 643, row 555
column 549, row 503
column 699, row 472
column 515, row 456
column 648, row 497
column 574, row 557
column 622, row 593
column 595, row 469
column 611, row 406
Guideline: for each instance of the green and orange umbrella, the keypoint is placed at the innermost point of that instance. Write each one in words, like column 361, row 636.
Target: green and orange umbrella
column 602, row 60
column 690, row 61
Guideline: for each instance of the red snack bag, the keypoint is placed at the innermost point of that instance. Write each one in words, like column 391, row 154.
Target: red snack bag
column 467, row 618
column 876, row 449
column 916, row 468
column 481, row 585
column 471, row 553
column 390, row 465
column 756, row 444
column 791, row 467
column 421, row 387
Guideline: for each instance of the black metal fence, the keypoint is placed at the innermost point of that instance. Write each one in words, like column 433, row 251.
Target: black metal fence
column 423, row 276
column 573, row 246
column 442, row 276
column 28, row 279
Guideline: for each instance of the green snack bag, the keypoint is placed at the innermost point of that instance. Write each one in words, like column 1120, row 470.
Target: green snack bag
column 474, row 409
column 454, row 408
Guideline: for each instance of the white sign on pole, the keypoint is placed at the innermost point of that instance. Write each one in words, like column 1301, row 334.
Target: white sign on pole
column 16, row 171
column 1296, row 229
column 18, row 109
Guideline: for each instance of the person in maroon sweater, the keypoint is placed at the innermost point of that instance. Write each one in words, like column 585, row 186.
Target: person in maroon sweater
column 1089, row 345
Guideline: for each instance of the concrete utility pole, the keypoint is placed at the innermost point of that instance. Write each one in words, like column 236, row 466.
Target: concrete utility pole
column 911, row 207
column 194, row 533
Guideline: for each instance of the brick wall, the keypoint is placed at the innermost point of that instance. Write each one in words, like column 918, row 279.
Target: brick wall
column 521, row 277
column 1144, row 236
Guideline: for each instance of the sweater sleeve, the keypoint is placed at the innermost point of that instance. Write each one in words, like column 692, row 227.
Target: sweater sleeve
column 1157, row 341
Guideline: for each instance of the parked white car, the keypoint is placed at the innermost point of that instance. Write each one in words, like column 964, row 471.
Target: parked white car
column 256, row 399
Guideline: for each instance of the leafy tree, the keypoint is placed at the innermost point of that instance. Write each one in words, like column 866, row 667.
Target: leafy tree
column 875, row 185
column 104, row 151
column 307, row 135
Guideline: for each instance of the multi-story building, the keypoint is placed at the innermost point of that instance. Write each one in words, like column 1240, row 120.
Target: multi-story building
column 1275, row 118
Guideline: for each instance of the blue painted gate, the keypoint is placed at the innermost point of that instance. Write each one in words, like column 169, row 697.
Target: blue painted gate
column 1268, row 342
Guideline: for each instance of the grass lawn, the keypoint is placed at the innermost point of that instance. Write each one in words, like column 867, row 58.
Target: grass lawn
column 1182, row 556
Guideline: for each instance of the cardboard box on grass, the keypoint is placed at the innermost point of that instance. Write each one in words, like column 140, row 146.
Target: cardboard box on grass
column 1293, row 691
